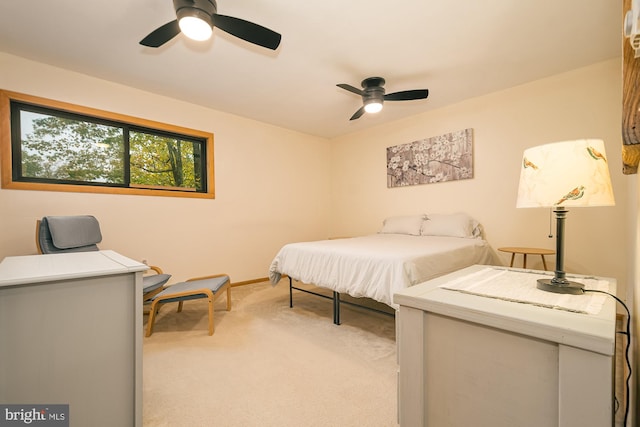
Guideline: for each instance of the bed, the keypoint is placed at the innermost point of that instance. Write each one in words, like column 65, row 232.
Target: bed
column 406, row 251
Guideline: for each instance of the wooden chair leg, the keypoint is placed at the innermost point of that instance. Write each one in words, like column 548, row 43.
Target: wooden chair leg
column 211, row 300
column 228, row 298
column 152, row 317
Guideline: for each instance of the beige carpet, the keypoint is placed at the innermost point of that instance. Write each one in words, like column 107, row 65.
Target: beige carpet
column 270, row 365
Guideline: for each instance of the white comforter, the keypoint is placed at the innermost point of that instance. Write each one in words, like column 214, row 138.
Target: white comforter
column 378, row 265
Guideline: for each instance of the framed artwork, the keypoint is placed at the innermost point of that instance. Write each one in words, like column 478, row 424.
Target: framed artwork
column 447, row 157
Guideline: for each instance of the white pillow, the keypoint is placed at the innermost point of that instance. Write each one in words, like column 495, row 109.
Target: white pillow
column 453, row 225
column 407, row 224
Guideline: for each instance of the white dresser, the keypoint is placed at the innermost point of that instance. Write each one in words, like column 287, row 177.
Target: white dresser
column 468, row 360
column 71, row 333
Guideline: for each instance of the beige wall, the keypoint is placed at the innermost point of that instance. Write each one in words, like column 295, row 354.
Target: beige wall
column 585, row 103
column 275, row 186
column 272, row 186
column 262, row 202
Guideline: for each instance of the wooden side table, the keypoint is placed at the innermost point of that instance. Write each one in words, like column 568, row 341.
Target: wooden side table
column 525, row 252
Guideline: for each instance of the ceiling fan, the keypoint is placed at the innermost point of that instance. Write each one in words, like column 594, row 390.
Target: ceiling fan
column 196, row 19
column 373, row 95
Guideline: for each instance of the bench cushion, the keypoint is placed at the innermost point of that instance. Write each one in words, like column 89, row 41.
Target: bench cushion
column 213, row 284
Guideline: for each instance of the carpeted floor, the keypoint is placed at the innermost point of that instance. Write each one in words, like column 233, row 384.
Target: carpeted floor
column 270, row 365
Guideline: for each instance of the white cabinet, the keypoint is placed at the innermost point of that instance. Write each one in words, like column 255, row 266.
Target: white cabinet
column 71, row 333
column 472, row 360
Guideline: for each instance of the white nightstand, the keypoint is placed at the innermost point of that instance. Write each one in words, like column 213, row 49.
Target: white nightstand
column 472, row 360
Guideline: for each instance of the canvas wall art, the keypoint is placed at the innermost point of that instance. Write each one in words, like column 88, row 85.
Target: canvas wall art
column 447, row 157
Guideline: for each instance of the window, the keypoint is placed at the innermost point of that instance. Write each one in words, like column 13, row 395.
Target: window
column 61, row 147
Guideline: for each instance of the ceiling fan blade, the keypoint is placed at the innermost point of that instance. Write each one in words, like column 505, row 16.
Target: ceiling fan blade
column 407, row 95
column 248, row 31
column 358, row 113
column 350, row 88
column 161, row 35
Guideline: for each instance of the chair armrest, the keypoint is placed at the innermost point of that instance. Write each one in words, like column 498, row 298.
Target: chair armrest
column 158, row 270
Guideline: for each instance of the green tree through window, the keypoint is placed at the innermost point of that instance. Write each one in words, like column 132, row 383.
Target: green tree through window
column 64, row 149
column 164, row 161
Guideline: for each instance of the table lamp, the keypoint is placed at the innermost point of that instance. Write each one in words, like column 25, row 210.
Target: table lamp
column 561, row 175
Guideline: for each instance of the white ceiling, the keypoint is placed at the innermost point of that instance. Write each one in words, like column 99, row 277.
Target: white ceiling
column 456, row 49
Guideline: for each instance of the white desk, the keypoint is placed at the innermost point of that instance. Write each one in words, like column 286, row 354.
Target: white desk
column 471, row 360
column 71, row 333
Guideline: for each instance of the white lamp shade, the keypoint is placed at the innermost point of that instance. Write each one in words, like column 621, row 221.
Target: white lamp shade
column 569, row 173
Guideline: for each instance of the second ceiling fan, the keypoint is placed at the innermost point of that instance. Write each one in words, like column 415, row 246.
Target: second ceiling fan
column 373, row 95
column 196, row 19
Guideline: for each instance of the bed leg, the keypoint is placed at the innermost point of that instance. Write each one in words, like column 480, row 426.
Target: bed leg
column 336, row 308
column 290, row 293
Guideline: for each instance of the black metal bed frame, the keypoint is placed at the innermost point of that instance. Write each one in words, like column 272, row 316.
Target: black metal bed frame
column 336, row 302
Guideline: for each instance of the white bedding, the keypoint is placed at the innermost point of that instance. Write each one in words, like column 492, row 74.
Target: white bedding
column 378, row 265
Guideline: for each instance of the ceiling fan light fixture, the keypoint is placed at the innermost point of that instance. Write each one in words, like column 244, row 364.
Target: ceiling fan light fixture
column 196, row 19
column 373, row 106
column 195, row 24
column 373, row 95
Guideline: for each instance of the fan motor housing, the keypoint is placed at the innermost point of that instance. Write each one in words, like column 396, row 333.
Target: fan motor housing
column 195, row 7
column 371, row 93
column 372, row 82
column 373, row 89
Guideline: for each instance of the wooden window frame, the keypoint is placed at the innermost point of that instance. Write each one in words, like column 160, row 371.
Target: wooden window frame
column 6, row 155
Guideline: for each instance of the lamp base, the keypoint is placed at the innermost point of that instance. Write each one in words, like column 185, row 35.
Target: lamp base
column 560, row 287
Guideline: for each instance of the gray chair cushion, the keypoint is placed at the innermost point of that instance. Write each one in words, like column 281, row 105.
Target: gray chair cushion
column 213, row 284
column 74, row 231
column 47, row 246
